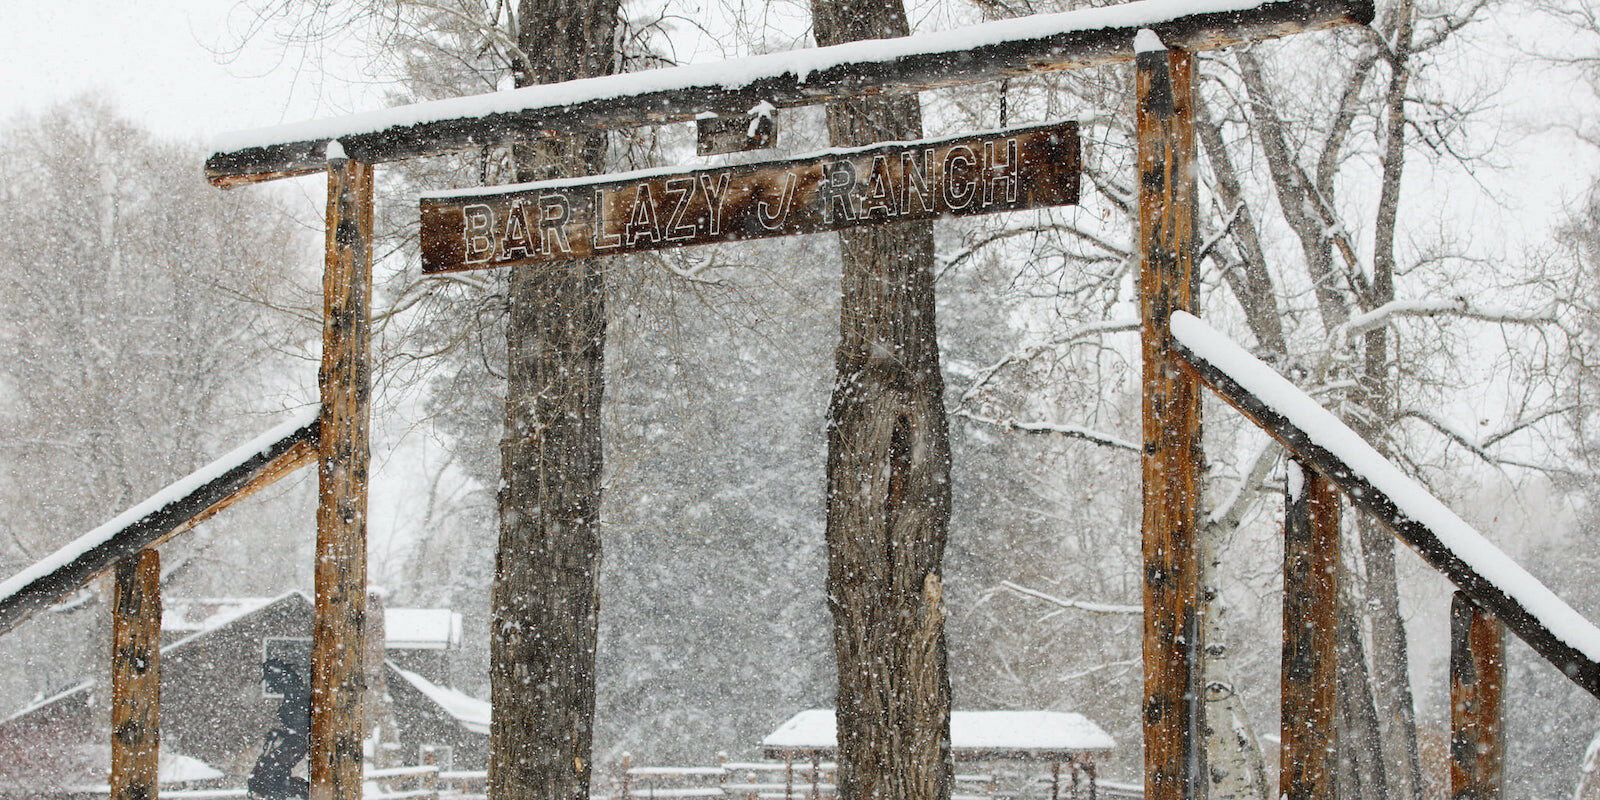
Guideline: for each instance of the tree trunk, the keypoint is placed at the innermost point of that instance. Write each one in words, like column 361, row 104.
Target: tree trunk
column 1391, row 679
column 888, row 474
column 547, row 567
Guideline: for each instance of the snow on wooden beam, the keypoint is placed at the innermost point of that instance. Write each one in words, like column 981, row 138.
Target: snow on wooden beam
column 163, row 515
column 1478, row 568
column 986, row 52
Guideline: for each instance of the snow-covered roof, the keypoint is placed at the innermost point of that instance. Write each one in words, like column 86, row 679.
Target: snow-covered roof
column 82, row 686
column 421, row 629
column 993, row 733
column 204, row 615
column 191, row 614
column 231, row 612
column 470, row 712
column 172, row 769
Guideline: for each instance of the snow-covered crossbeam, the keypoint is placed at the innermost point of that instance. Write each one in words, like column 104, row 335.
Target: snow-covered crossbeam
column 985, row 52
column 167, row 513
column 1449, row 544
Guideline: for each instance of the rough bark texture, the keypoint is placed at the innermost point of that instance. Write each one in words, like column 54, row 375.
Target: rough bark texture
column 545, row 600
column 136, row 677
column 1171, row 406
column 337, row 675
column 1310, row 668
column 1477, row 707
column 888, row 474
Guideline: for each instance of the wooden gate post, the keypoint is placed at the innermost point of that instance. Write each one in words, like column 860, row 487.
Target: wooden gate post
column 1477, row 682
column 1164, row 102
column 136, row 677
column 1310, row 668
column 337, row 677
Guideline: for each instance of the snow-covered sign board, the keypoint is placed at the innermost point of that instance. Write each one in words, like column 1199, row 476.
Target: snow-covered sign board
column 891, row 182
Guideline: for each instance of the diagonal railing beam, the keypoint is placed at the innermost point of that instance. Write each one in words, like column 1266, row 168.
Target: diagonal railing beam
column 1479, row 569
column 165, row 514
column 979, row 53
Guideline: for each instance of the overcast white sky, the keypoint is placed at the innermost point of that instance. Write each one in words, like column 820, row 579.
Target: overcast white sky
column 173, row 65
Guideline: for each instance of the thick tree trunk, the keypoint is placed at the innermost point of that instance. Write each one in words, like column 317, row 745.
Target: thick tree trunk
column 888, row 474
column 546, row 599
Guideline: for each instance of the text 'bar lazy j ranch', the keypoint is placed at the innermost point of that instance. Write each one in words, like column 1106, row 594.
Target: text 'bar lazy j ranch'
column 578, row 218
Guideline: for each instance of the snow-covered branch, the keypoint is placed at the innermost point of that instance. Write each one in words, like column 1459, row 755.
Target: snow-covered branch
column 1069, row 431
column 1476, row 447
column 1073, row 603
column 1096, row 329
column 1458, row 306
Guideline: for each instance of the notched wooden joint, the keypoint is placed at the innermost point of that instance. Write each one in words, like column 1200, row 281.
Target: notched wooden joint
column 716, row 134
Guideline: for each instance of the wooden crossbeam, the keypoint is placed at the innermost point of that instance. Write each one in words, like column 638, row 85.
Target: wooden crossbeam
column 173, row 510
column 987, row 52
column 1484, row 574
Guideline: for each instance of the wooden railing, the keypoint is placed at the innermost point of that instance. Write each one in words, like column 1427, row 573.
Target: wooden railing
column 1494, row 593
column 795, row 780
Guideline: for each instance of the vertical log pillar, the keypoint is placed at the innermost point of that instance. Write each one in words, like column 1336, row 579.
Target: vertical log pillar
column 1310, row 666
column 1172, row 648
column 337, row 677
column 136, row 677
column 1477, row 680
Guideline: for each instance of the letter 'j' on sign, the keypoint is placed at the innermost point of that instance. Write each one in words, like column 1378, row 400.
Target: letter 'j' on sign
column 556, row 220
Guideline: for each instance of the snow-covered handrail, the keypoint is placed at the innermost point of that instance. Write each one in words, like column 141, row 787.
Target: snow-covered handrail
column 1482, row 571
column 986, row 52
column 164, row 514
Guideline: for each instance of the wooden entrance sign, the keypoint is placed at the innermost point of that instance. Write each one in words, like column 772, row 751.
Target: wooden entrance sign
column 558, row 220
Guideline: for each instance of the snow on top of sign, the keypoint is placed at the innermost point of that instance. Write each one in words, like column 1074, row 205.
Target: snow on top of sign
column 472, row 713
column 969, row 730
column 421, row 628
column 734, row 73
column 1412, row 500
column 174, row 492
column 1146, row 41
column 656, row 172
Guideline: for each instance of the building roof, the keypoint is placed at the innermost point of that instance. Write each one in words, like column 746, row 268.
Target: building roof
column 195, row 614
column 468, row 711
column 1025, row 735
column 204, row 616
column 421, row 629
column 172, row 769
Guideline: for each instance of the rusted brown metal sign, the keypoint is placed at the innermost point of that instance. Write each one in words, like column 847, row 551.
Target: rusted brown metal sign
column 558, row 220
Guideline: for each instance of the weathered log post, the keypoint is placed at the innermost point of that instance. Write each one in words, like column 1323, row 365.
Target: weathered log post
column 1310, row 668
column 1477, row 681
column 136, row 677
column 1164, row 102
column 337, row 676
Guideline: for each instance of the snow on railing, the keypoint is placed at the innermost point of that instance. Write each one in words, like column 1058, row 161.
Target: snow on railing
column 1480, row 569
column 170, row 511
